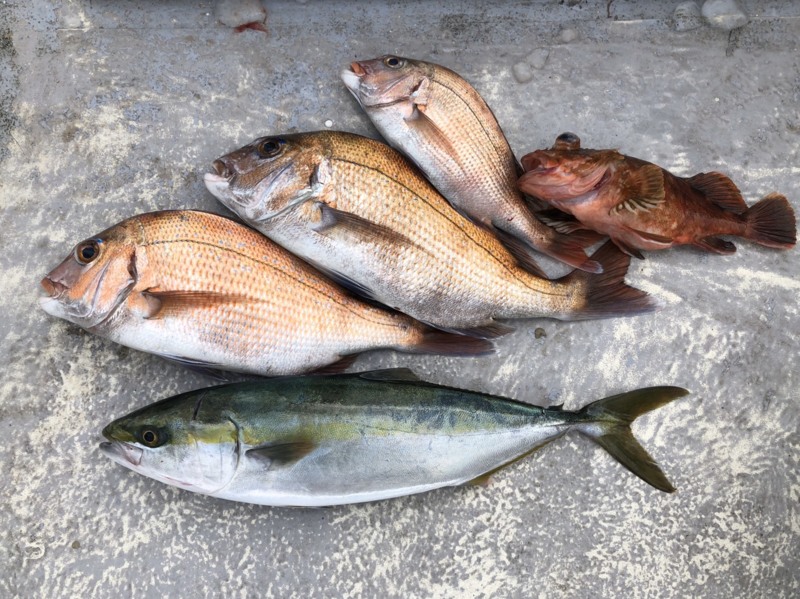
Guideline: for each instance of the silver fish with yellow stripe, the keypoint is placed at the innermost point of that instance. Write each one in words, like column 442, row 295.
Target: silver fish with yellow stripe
column 319, row 441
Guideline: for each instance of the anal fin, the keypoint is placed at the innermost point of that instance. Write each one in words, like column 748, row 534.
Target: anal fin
column 716, row 245
column 338, row 366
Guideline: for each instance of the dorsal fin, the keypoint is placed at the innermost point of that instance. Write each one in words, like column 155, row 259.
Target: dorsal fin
column 719, row 190
column 391, row 375
column 643, row 190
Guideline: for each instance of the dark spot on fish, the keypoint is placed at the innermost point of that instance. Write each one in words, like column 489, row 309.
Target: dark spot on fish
column 539, row 333
column 76, row 544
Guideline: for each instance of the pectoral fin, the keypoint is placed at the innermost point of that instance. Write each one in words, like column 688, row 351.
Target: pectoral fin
column 281, row 454
column 160, row 304
column 422, row 94
column 643, row 190
column 719, row 190
column 426, row 127
column 354, row 229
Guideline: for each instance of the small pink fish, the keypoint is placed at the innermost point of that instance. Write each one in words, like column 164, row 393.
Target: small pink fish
column 644, row 207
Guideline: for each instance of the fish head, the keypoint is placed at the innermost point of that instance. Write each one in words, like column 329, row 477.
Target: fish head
column 566, row 171
column 386, row 81
column 94, row 279
column 174, row 442
column 266, row 177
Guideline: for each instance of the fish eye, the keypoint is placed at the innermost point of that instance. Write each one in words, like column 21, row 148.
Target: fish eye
column 393, row 62
column 569, row 138
column 87, row 251
column 151, row 437
column 270, row 148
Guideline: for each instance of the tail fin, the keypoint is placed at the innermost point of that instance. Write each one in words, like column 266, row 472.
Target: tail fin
column 607, row 422
column 452, row 344
column 606, row 295
column 771, row 222
column 570, row 250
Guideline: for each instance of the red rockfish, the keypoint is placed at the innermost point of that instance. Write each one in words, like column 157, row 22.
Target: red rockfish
column 644, row 207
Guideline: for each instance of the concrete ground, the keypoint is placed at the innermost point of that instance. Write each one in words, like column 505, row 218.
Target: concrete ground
column 109, row 108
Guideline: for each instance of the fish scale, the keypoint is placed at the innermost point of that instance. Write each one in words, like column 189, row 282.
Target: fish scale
column 641, row 206
column 442, row 124
column 215, row 293
column 316, row 441
column 395, row 238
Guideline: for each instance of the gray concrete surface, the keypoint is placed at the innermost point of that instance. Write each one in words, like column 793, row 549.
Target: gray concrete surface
column 110, row 108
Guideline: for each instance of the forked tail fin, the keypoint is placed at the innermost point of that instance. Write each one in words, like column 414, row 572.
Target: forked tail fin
column 606, row 295
column 771, row 222
column 607, row 422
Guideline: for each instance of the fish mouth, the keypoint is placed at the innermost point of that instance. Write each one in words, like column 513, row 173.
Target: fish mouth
column 352, row 77
column 52, row 288
column 218, row 186
column 535, row 164
column 122, row 453
column 358, row 68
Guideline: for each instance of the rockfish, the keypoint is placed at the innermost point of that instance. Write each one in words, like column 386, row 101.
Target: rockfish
column 358, row 210
column 444, row 126
column 210, row 293
column 644, row 207
column 320, row 441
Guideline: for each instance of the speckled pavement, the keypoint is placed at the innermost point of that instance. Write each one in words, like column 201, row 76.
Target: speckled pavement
column 111, row 108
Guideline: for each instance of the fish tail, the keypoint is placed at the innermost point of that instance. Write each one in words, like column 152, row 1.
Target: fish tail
column 608, row 423
column 434, row 341
column 606, row 295
column 570, row 250
column 771, row 222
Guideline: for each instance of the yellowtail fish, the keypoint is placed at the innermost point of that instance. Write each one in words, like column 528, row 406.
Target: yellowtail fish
column 358, row 210
column 319, row 441
column 210, row 293
column 444, row 126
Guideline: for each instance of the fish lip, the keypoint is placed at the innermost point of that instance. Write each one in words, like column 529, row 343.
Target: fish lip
column 53, row 289
column 358, row 69
column 535, row 164
column 219, row 187
column 216, row 178
column 122, row 453
column 351, row 80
